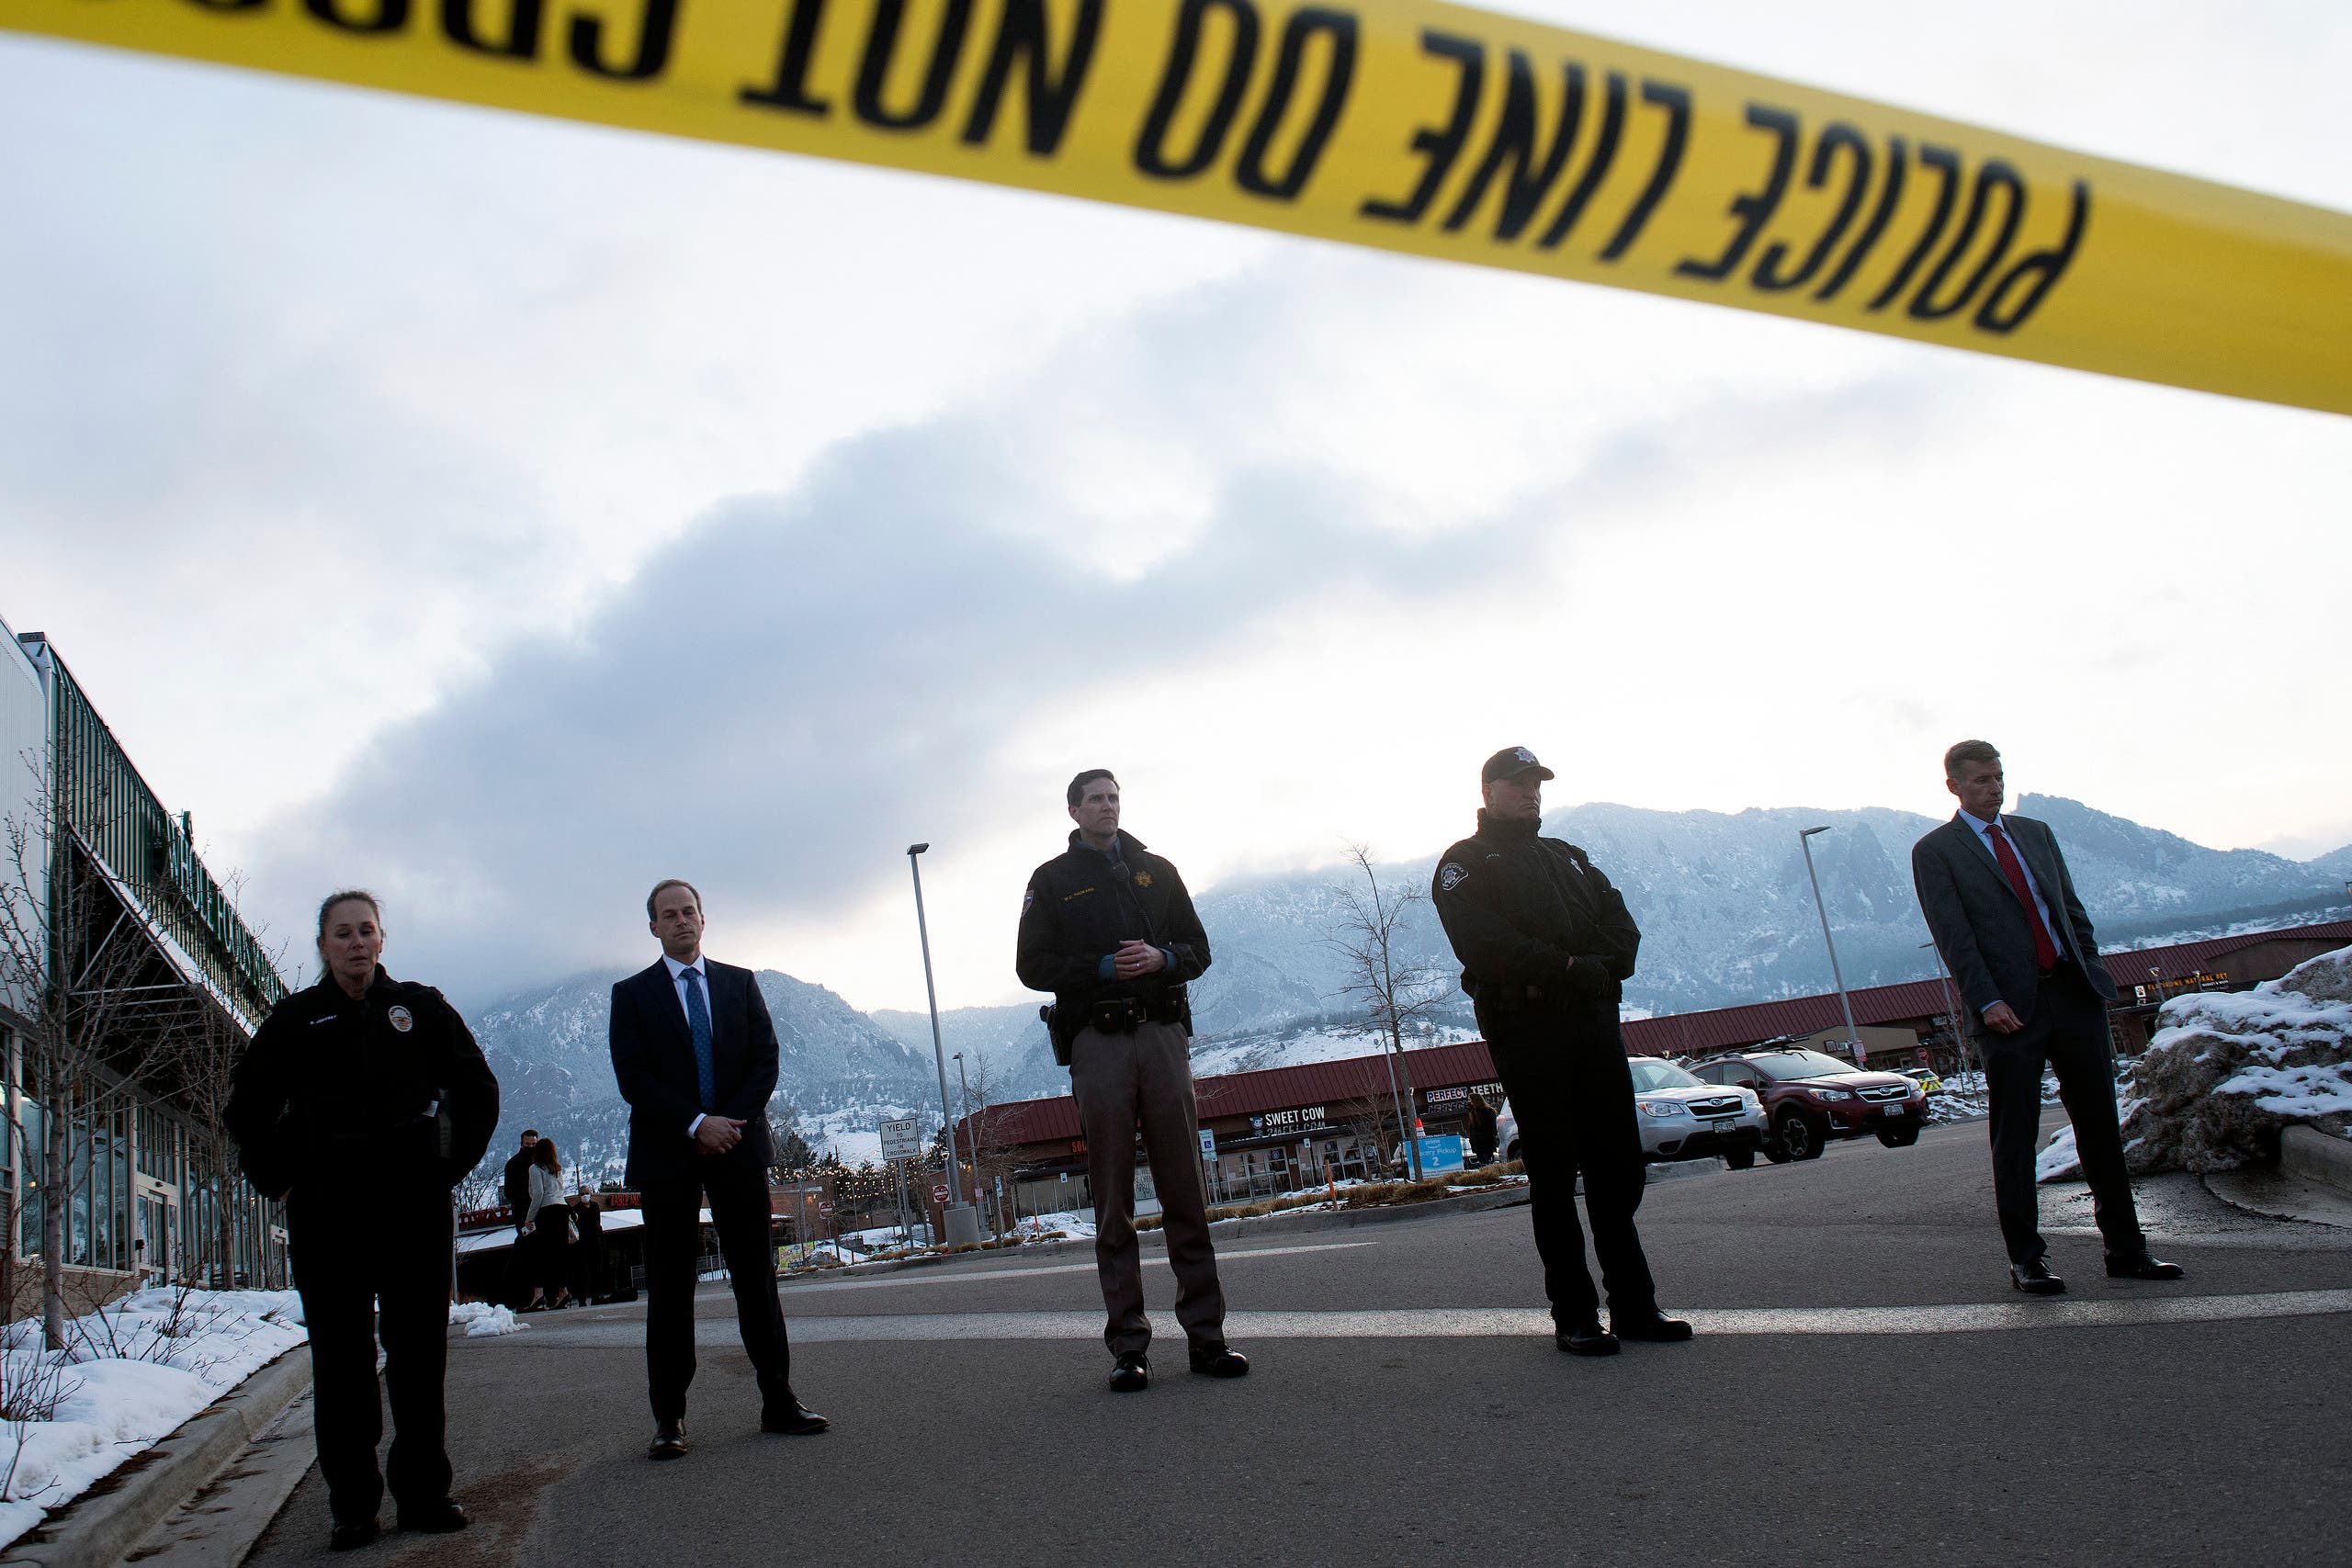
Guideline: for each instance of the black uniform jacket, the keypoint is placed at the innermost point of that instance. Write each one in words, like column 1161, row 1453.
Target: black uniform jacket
column 1979, row 925
column 1519, row 907
column 653, row 1058
column 1078, row 908
column 334, row 1090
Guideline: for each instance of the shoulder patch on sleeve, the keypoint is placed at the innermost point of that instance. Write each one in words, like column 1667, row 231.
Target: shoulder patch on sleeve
column 1028, row 896
column 1452, row 874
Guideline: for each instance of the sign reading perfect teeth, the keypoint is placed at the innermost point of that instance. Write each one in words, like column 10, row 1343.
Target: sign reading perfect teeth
column 1426, row 128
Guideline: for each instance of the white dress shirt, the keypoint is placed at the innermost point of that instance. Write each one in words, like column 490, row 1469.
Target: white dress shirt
column 2040, row 906
column 678, row 984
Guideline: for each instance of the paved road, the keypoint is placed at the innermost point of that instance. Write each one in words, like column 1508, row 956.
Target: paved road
column 1872, row 1386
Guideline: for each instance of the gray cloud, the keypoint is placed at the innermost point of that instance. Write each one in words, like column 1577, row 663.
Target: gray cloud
column 792, row 688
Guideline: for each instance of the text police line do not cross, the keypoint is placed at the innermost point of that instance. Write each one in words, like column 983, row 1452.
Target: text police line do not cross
column 1408, row 126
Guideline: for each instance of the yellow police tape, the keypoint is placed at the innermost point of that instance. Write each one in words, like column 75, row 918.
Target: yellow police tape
column 1405, row 125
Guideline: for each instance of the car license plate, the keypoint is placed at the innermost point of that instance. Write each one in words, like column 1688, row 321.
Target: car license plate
column 1894, row 1110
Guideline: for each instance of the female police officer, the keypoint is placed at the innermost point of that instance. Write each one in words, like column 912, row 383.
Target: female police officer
column 368, row 1084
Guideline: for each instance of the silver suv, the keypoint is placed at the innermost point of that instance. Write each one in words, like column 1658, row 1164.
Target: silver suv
column 1680, row 1117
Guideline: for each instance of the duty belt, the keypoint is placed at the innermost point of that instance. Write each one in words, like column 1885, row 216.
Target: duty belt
column 1125, row 1015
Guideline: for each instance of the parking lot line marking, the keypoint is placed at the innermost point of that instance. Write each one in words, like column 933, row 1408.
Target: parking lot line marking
column 1474, row 1323
column 953, row 1276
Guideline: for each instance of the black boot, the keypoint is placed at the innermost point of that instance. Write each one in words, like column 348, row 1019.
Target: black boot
column 1131, row 1374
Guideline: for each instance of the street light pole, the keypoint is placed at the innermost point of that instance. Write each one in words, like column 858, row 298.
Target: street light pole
column 1853, row 1038
column 957, row 1219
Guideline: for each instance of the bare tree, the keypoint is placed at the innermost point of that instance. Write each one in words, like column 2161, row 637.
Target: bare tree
column 1398, row 991
column 984, row 1142
column 82, row 975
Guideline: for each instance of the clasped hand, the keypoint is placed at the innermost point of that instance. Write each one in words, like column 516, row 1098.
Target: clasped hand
column 716, row 1134
column 1135, row 958
column 2002, row 1019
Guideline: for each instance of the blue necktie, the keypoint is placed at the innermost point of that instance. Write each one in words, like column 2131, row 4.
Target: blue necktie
column 698, row 1020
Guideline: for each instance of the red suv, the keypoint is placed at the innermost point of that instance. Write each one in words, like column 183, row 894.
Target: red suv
column 1810, row 1097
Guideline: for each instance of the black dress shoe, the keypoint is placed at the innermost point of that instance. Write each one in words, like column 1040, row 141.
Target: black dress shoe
column 346, row 1538
column 2036, row 1279
column 794, row 1420
column 1585, row 1339
column 434, row 1519
column 1219, row 1362
column 1130, row 1374
column 669, row 1440
column 2140, row 1266
column 1655, row 1328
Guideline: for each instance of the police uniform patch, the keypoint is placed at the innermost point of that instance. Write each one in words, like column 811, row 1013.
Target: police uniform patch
column 1143, row 879
column 1452, row 876
column 402, row 1019
column 1028, row 897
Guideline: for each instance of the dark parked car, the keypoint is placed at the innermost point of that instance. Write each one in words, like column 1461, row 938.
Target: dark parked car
column 1810, row 1097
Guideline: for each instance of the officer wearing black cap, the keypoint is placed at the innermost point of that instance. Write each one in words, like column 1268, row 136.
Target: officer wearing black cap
column 1545, row 942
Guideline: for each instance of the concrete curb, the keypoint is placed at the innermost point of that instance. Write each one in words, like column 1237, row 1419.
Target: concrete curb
column 97, row 1530
column 2311, row 1155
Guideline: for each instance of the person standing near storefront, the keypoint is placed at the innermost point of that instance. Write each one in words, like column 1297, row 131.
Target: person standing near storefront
column 588, row 1253
column 1483, row 1124
column 547, row 1230
column 1545, row 942
column 1109, row 929
column 362, row 1080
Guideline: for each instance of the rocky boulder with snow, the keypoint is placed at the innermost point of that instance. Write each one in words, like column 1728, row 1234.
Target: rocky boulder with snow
column 2228, row 1070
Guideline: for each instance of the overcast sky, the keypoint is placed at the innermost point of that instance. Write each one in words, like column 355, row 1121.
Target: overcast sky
column 504, row 514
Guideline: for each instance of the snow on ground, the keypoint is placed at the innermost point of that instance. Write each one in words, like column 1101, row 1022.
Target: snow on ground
column 1069, row 1224
column 1964, row 1097
column 483, row 1319
column 856, row 1133
column 131, row 1373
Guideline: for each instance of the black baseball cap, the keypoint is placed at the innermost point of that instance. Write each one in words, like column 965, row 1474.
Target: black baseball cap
column 1509, row 762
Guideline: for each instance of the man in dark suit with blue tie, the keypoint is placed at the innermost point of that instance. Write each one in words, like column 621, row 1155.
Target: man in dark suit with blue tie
column 694, row 1052
column 2002, row 907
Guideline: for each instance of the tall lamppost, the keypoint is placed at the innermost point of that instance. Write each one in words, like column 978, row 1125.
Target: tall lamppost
column 960, row 1222
column 1853, row 1038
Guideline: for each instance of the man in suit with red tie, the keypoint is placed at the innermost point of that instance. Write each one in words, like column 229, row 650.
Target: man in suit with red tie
column 2003, row 911
column 695, row 1055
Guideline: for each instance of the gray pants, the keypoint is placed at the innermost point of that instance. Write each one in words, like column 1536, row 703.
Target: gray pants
column 1122, row 1082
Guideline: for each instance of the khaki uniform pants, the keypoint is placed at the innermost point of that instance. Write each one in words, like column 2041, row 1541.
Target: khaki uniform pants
column 1124, row 1082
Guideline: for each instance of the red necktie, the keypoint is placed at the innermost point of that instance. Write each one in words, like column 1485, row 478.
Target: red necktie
column 2045, row 951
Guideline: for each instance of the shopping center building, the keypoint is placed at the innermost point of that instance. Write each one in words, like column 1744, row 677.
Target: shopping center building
column 129, row 982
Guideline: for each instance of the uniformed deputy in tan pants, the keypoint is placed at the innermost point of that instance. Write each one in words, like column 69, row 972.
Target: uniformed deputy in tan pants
column 1107, row 927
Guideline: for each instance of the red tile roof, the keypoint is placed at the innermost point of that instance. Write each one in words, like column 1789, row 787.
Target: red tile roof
column 1269, row 1088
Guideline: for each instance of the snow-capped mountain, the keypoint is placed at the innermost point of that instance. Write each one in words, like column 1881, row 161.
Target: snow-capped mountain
column 1725, row 909
column 550, row 1050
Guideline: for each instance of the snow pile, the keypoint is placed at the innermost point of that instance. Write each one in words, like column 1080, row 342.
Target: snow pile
column 1070, row 1225
column 2060, row 1158
column 485, row 1319
column 1964, row 1097
column 131, row 1373
column 2229, row 1069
